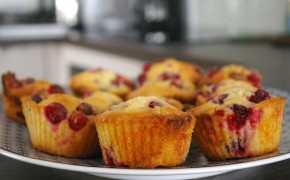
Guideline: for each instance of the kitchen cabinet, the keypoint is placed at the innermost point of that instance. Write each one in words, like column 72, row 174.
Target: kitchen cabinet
column 74, row 58
column 23, row 59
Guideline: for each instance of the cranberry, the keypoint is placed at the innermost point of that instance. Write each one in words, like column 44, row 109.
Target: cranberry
column 187, row 107
column 213, row 71
column 77, row 120
column 255, row 116
column 110, row 161
column 117, row 80
column 36, row 98
column 219, row 99
column 255, row 79
column 85, row 108
column 237, row 147
column 177, row 84
column 20, row 114
column 169, row 76
column 146, row 67
column 260, row 95
column 219, row 112
column 55, row 112
column 108, row 157
column 152, row 104
column 55, row 89
column 15, row 84
column 129, row 84
column 197, row 69
column 121, row 80
column 142, row 78
column 238, row 118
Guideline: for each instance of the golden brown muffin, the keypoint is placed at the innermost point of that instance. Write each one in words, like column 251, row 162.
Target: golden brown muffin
column 181, row 90
column 100, row 79
column 101, row 101
column 14, row 89
column 239, row 124
column 236, row 72
column 170, row 69
column 208, row 91
column 144, row 132
column 61, row 125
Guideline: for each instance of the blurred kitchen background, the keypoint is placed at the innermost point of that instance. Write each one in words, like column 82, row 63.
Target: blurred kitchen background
column 52, row 39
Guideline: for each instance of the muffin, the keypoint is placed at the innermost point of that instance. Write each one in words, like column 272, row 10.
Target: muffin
column 170, row 69
column 100, row 79
column 14, row 89
column 236, row 72
column 144, row 132
column 61, row 125
column 181, row 90
column 209, row 90
column 239, row 124
column 101, row 101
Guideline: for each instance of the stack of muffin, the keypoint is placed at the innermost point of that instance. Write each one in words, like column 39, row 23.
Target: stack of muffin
column 151, row 124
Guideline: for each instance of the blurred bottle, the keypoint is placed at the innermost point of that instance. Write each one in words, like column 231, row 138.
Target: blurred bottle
column 159, row 21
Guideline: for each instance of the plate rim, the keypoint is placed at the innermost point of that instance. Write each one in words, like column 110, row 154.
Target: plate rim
column 144, row 172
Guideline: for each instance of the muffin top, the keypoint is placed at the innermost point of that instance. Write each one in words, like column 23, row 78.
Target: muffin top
column 58, row 108
column 233, row 71
column 101, row 101
column 183, row 91
column 207, row 91
column 170, row 69
column 236, row 98
column 152, row 104
column 21, row 87
column 100, row 80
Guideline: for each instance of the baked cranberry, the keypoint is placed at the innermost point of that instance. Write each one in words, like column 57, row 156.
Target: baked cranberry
column 15, row 84
column 255, row 79
column 152, row 104
column 238, row 118
column 20, row 114
column 142, row 78
column 146, row 67
column 36, row 98
column 187, row 107
column 110, row 161
column 54, row 88
column 219, row 112
column 77, row 120
column 108, row 157
column 219, row 99
column 260, row 95
column 55, row 112
column 177, row 84
column 129, row 84
column 121, row 80
column 197, row 69
column 85, row 108
column 255, row 116
column 213, row 71
column 169, row 76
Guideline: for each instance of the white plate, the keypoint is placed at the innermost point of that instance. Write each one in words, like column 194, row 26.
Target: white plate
column 15, row 143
